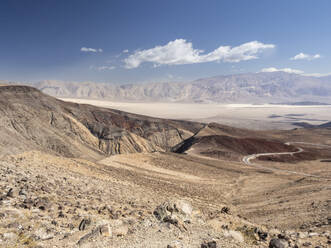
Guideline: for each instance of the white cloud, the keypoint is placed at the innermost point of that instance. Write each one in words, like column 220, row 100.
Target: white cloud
column 179, row 52
column 295, row 71
column 92, row 50
column 102, row 68
column 305, row 56
column 105, row 68
column 125, row 51
column 318, row 74
column 288, row 70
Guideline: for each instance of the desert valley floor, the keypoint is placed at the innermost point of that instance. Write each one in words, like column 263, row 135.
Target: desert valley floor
column 261, row 116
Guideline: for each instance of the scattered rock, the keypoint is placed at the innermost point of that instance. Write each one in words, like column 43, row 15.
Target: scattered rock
column 120, row 228
column 262, row 235
column 83, row 224
column 302, row 235
column 43, row 234
column 10, row 193
column 174, row 212
column 42, row 203
column 282, row 236
column 278, row 243
column 10, row 236
column 312, row 234
column 209, row 244
column 234, row 235
column 175, row 244
column 87, row 237
column 225, row 210
column 13, row 225
column 105, row 230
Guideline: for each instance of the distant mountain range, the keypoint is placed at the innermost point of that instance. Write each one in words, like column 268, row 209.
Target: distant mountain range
column 304, row 103
column 264, row 87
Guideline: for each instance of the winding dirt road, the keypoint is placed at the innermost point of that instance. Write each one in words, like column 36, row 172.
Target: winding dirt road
column 247, row 159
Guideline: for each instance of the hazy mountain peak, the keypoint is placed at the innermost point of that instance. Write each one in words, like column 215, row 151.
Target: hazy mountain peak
column 261, row 87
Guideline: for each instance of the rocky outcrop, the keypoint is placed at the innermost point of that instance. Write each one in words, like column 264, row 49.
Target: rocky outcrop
column 126, row 142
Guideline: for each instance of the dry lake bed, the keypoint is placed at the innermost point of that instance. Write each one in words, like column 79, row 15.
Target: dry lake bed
column 260, row 117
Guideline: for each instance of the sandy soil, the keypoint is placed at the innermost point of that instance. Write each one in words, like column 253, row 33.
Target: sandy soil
column 260, row 117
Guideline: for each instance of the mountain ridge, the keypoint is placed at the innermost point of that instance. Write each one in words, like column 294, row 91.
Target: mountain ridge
column 263, row 87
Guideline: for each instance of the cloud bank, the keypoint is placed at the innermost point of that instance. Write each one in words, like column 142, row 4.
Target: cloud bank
column 304, row 56
column 295, row 71
column 288, row 70
column 91, row 50
column 180, row 52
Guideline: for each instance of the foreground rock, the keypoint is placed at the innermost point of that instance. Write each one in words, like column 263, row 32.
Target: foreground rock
column 278, row 243
column 178, row 213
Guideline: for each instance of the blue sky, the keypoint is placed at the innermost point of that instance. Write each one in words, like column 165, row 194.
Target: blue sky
column 150, row 40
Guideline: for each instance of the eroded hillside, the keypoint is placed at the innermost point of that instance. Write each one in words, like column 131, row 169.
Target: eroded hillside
column 32, row 120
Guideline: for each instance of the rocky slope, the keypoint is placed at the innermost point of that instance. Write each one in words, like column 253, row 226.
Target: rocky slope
column 241, row 88
column 52, row 201
column 30, row 120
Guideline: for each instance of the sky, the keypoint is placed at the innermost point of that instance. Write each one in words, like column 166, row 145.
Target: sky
column 152, row 40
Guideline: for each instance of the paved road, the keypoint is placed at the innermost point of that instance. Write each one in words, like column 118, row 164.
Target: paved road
column 247, row 159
